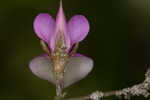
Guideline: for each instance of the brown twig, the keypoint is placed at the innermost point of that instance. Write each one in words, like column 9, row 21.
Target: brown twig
column 135, row 90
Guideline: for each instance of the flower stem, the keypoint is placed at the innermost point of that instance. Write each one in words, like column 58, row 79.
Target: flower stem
column 58, row 88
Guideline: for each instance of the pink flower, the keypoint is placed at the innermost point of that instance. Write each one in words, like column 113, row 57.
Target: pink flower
column 74, row 31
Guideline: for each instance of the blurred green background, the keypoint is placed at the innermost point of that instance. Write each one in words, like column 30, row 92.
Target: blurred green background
column 118, row 42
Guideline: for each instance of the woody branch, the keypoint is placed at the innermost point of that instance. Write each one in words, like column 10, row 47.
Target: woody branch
column 135, row 90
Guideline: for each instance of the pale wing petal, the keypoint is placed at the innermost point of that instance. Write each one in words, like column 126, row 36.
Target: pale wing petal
column 77, row 68
column 41, row 67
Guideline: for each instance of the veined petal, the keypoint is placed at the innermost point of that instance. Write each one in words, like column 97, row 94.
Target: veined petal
column 41, row 67
column 77, row 68
column 44, row 26
column 78, row 28
column 60, row 27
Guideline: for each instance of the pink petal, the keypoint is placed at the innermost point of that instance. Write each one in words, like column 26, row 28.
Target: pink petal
column 76, row 69
column 78, row 28
column 77, row 55
column 61, row 26
column 44, row 26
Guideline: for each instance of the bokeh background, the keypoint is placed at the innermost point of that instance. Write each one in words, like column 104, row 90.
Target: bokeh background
column 118, row 42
